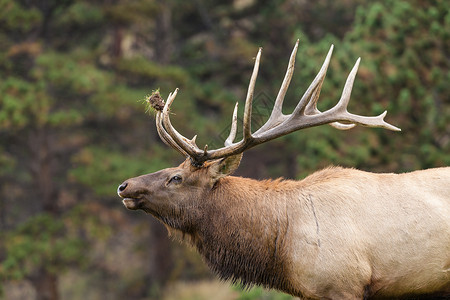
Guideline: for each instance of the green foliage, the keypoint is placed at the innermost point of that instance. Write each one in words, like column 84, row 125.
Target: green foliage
column 21, row 101
column 24, row 103
column 403, row 71
column 83, row 14
column 18, row 18
column 413, row 79
column 258, row 293
column 101, row 168
column 41, row 242
column 140, row 68
column 118, row 101
column 69, row 74
column 131, row 12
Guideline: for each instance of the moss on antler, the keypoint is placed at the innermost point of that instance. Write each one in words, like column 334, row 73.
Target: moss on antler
column 154, row 101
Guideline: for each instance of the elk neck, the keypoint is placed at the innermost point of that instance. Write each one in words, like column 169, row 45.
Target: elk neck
column 242, row 230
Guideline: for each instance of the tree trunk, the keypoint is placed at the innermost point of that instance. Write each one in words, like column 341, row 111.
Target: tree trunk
column 163, row 33
column 117, row 42
column 46, row 285
column 161, row 261
column 43, row 170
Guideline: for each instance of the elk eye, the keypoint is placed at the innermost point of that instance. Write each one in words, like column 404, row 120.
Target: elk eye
column 175, row 179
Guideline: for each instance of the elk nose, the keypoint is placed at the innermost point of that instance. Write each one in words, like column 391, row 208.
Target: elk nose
column 122, row 187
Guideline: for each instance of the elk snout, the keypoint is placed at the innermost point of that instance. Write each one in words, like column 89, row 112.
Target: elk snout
column 129, row 198
column 122, row 188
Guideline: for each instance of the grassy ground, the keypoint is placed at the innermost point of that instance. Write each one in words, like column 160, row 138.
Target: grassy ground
column 217, row 290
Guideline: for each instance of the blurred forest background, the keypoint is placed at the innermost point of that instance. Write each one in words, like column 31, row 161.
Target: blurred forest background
column 73, row 74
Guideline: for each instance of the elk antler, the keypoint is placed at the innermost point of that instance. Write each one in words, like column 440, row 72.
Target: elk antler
column 304, row 115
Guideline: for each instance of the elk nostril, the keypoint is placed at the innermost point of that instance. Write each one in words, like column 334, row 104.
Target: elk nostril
column 122, row 187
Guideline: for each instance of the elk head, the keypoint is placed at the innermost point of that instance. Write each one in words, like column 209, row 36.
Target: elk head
column 167, row 193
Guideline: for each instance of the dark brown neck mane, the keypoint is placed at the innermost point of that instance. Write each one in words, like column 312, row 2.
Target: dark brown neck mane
column 244, row 241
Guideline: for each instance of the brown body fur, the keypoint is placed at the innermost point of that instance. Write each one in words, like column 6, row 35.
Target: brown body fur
column 337, row 234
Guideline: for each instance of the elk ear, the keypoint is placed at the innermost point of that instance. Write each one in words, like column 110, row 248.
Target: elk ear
column 225, row 166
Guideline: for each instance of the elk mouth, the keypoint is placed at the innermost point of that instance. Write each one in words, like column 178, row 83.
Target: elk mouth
column 133, row 203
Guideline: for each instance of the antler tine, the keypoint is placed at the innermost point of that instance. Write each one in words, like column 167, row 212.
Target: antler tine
column 233, row 129
column 249, row 99
column 311, row 106
column 186, row 145
column 345, row 98
column 341, row 106
column 165, row 137
column 348, row 87
column 277, row 108
column 310, row 97
column 277, row 116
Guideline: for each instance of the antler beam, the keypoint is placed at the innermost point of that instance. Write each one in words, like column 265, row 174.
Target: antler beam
column 305, row 115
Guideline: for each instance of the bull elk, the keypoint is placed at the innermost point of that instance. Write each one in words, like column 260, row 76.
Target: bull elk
column 337, row 234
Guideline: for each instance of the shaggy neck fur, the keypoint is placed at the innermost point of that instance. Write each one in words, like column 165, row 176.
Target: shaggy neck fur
column 243, row 237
